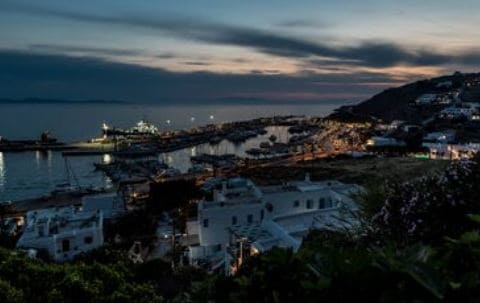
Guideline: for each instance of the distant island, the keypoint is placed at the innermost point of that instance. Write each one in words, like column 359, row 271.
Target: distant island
column 59, row 101
column 179, row 102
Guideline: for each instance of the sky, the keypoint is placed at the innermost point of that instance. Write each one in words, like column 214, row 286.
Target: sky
column 207, row 50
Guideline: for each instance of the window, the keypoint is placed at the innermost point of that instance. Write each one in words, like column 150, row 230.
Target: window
column 309, row 203
column 41, row 230
column 262, row 214
column 250, row 218
column 269, row 207
column 321, row 203
column 296, row 203
column 234, row 220
column 205, row 223
column 65, row 245
column 88, row 240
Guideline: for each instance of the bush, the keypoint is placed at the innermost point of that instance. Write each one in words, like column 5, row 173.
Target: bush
column 431, row 207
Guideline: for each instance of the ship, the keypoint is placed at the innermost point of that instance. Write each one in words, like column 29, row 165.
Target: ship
column 143, row 127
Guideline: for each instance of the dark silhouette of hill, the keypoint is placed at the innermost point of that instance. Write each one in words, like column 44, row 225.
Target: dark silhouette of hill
column 394, row 103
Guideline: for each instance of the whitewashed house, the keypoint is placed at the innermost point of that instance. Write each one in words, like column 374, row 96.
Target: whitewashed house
column 446, row 136
column 62, row 232
column 244, row 216
column 444, row 151
column 426, row 99
column 238, row 203
column 457, row 112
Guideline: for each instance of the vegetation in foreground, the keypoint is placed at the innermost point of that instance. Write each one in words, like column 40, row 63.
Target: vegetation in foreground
column 416, row 241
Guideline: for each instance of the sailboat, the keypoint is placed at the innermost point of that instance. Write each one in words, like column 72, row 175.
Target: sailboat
column 67, row 187
column 74, row 189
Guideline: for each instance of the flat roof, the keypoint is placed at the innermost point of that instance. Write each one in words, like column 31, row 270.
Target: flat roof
column 61, row 220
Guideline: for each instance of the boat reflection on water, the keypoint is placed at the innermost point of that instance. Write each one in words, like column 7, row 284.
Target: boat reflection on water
column 2, row 171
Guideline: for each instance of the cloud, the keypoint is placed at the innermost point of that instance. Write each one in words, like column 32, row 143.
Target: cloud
column 301, row 23
column 166, row 56
column 26, row 74
column 92, row 51
column 196, row 63
column 368, row 54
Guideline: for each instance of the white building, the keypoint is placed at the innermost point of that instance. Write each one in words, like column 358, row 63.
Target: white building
column 457, row 112
column 445, row 84
column 383, row 141
column 426, row 99
column 62, row 232
column 452, row 151
column 259, row 218
column 475, row 117
column 238, row 203
column 447, row 136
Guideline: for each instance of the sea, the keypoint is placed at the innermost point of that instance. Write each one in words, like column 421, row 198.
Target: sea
column 27, row 175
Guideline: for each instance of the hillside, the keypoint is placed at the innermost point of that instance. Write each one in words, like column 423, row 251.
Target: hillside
column 395, row 103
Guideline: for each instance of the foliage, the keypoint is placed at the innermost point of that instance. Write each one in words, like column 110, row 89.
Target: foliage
column 26, row 280
column 136, row 225
column 385, row 260
column 105, row 275
column 417, row 241
column 431, row 207
column 169, row 195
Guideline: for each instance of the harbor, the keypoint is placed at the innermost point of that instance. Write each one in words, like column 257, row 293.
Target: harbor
column 171, row 149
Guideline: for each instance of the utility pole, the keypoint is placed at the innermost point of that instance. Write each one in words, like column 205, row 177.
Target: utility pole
column 173, row 243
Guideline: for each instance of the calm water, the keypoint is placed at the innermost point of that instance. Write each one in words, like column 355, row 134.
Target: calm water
column 32, row 174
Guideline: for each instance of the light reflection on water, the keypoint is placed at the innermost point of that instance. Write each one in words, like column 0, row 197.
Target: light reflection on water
column 33, row 174
column 106, row 159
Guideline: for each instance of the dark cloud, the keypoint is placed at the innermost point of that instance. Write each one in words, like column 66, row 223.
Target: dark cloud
column 26, row 74
column 166, row 56
column 302, row 23
column 196, row 63
column 92, row 51
column 371, row 54
column 265, row 71
column 240, row 60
